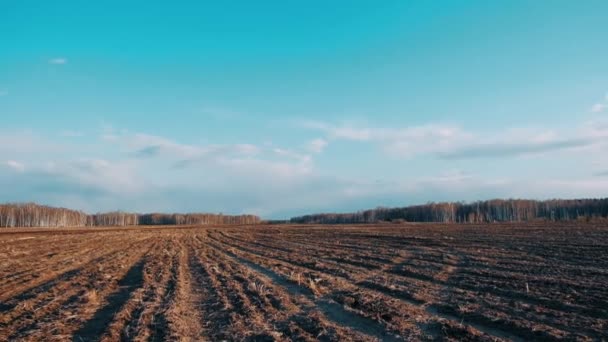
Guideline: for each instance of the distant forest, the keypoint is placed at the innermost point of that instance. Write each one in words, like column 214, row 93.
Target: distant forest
column 34, row 215
column 512, row 210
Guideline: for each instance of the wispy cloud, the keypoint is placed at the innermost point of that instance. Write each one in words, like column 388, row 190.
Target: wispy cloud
column 398, row 142
column 265, row 160
column 507, row 149
column 201, row 155
column 146, row 145
column 596, row 129
column 317, row 145
column 137, row 171
column 453, row 142
column 451, row 176
column 15, row 165
column 339, row 131
column 149, row 151
column 598, row 108
column 228, row 178
column 3, row 92
column 58, row 61
column 17, row 143
column 601, row 105
column 116, row 176
column 290, row 154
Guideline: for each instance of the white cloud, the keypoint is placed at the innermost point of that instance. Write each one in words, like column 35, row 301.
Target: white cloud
column 432, row 138
column 266, row 171
column 513, row 148
column 226, row 164
column 151, row 146
column 351, row 133
column 246, row 149
column 136, row 171
column 58, row 61
column 589, row 135
column 290, row 154
column 339, row 132
column 453, row 142
column 3, row 92
column 117, row 177
column 451, row 176
column 596, row 129
column 598, row 108
column 15, row 165
column 229, row 178
column 317, row 145
column 398, row 142
column 17, row 143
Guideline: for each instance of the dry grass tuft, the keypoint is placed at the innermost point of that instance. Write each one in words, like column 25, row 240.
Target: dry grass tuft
column 258, row 288
column 91, row 297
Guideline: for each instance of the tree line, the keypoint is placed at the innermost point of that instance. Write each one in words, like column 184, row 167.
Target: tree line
column 34, row 215
column 512, row 210
column 497, row 210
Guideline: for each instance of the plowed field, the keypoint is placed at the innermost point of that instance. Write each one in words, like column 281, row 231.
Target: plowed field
column 516, row 282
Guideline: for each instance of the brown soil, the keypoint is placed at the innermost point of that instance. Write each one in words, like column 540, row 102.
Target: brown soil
column 534, row 281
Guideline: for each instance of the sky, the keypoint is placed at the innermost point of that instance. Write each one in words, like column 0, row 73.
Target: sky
column 282, row 108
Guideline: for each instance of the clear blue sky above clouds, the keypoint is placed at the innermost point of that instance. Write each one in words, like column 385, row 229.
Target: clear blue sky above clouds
column 283, row 107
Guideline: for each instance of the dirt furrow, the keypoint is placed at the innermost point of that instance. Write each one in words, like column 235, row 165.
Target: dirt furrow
column 325, row 304
column 533, row 281
column 50, row 278
column 38, row 297
column 210, row 306
column 182, row 315
column 75, row 300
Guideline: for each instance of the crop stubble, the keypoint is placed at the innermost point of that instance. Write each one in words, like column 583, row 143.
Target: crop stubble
column 333, row 283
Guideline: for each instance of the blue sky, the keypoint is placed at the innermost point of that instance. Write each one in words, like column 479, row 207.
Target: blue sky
column 282, row 107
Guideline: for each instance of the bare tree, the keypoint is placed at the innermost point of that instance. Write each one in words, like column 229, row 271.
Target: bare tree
column 497, row 210
column 33, row 215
